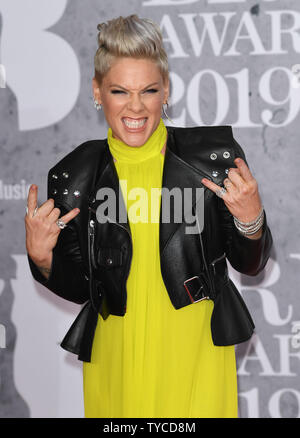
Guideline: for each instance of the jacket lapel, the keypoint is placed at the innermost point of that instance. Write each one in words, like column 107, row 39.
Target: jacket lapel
column 177, row 176
column 110, row 180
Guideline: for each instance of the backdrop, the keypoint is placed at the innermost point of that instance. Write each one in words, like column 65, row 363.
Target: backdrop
column 232, row 63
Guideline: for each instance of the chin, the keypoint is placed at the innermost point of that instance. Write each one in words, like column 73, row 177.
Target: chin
column 135, row 140
column 135, row 143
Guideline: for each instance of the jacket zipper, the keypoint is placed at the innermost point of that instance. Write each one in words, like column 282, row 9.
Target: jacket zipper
column 129, row 258
column 216, row 261
column 92, row 234
column 128, row 263
column 210, row 281
column 91, row 257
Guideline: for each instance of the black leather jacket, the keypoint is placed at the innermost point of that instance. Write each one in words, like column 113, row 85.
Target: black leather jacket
column 91, row 261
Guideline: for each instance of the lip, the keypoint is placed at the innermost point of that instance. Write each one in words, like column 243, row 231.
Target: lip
column 134, row 118
column 135, row 130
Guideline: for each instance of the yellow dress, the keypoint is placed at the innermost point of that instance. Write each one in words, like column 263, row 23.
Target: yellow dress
column 155, row 361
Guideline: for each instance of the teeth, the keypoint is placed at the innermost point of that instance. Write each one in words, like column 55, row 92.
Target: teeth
column 134, row 123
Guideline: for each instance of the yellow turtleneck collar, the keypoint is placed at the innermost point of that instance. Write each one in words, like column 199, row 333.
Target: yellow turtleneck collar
column 129, row 154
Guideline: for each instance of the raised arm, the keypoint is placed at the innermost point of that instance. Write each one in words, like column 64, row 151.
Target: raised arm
column 246, row 254
column 54, row 254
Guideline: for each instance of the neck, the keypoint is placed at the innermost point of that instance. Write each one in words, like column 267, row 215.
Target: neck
column 155, row 144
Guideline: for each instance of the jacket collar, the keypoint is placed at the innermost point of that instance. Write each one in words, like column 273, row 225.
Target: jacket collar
column 176, row 174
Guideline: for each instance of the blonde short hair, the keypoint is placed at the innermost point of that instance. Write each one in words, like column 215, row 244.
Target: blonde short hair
column 129, row 37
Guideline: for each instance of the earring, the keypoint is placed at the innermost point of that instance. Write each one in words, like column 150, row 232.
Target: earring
column 165, row 113
column 97, row 105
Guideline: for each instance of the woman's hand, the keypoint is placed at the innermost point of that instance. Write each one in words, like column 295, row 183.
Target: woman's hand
column 41, row 229
column 242, row 197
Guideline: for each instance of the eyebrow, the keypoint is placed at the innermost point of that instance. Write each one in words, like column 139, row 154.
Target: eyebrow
column 119, row 86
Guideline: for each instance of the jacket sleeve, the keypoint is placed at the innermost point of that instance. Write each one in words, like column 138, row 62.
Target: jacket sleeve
column 67, row 278
column 247, row 256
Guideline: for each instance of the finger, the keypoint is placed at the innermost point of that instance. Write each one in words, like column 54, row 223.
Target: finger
column 212, row 186
column 236, row 178
column 70, row 215
column 46, row 208
column 229, row 185
column 32, row 199
column 244, row 169
column 54, row 215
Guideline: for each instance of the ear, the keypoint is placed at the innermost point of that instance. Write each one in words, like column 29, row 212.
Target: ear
column 96, row 90
column 166, row 90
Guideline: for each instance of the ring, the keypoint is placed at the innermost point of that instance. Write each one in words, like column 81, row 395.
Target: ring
column 35, row 210
column 61, row 224
column 221, row 192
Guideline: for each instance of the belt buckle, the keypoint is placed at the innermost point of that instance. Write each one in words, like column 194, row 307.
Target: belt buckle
column 195, row 289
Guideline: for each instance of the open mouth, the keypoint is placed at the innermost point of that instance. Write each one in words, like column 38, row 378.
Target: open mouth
column 134, row 123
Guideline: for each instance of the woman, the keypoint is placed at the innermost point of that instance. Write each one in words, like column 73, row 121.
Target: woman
column 156, row 355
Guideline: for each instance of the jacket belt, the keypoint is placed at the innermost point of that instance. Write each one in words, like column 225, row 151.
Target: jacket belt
column 206, row 285
column 197, row 288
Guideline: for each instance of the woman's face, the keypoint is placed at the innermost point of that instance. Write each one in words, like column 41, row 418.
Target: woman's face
column 132, row 94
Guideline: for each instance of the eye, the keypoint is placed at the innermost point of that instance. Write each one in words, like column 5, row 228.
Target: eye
column 152, row 90
column 117, row 92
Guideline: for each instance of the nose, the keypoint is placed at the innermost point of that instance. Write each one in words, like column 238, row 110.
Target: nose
column 135, row 103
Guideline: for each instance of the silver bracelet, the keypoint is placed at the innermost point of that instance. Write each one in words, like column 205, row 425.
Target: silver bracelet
column 252, row 222
column 252, row 227
column 248, row 231
column 249, row 228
